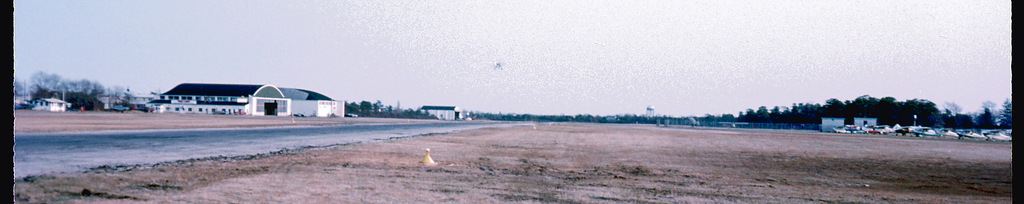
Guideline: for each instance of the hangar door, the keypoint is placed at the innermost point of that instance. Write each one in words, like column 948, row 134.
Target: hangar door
column 271, row 107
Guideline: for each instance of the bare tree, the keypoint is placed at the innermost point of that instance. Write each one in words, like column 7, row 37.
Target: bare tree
column 20, row 89
column 986, row 119
column 953, row 108
column 79, row 93
column 45, row 85
column 1006, row 117
column 988, row 105
column 117, row 95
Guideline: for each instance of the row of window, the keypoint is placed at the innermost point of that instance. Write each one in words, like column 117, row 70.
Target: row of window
column 200, row 98
column 209, row 110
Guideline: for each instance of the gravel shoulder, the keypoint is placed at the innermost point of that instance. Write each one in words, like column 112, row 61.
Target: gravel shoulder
column 570, row 163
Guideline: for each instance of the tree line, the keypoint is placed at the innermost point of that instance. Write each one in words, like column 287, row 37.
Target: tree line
column 584, row 118
column 86, row 94
column 378, row 109
column 82, row 94
column 887, row 110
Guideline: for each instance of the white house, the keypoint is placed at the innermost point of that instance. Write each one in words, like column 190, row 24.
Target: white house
column 49, row 104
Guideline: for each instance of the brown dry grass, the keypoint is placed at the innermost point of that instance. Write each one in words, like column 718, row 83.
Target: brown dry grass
column 572, row 163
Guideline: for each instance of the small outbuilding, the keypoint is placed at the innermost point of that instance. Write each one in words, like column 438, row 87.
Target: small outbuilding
column 444, row 112
column 827, row 123
column 865, row 122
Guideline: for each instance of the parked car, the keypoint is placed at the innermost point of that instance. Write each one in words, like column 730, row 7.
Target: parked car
column 351, row 115
column 119, row 108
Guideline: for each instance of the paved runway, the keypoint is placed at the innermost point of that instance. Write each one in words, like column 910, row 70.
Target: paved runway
column 42, row 153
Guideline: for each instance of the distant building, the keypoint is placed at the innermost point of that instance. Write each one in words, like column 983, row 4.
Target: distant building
column 140, row 102
column 240, row 99
column 110, row 101
column 444, row 112
column 21, row 101
column 49, row 104
column 312, row 104
column 611, row 119
column 865, row 122
column 827, row 123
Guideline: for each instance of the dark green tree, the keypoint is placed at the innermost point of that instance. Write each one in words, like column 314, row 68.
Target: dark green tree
column 1006, row 116
column 833, row 108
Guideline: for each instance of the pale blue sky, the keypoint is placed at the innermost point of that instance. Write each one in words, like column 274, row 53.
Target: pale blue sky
column 557, row 57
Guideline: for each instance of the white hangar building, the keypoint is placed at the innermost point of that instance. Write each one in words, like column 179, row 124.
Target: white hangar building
column 310, row 103
column 445, row 112
column 242, row 99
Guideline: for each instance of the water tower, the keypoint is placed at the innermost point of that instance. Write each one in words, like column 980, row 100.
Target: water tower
column 650, row 111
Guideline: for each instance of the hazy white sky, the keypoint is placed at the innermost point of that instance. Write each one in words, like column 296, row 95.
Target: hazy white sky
column 557, row 57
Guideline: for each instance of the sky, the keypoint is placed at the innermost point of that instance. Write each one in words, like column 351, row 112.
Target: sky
column 684, row 58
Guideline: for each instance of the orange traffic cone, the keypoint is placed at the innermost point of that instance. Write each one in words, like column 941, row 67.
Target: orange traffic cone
column 427, row 159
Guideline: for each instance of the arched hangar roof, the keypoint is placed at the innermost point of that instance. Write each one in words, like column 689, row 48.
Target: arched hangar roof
column 302, row 94
column 198, row 89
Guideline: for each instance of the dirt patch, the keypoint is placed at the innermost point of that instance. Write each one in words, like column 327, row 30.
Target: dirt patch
column 572, row 163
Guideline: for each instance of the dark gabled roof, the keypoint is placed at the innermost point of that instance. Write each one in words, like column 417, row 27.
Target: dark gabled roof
column 450, row 108
column 301, row 94
column 214, row 89
column 200, row 102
